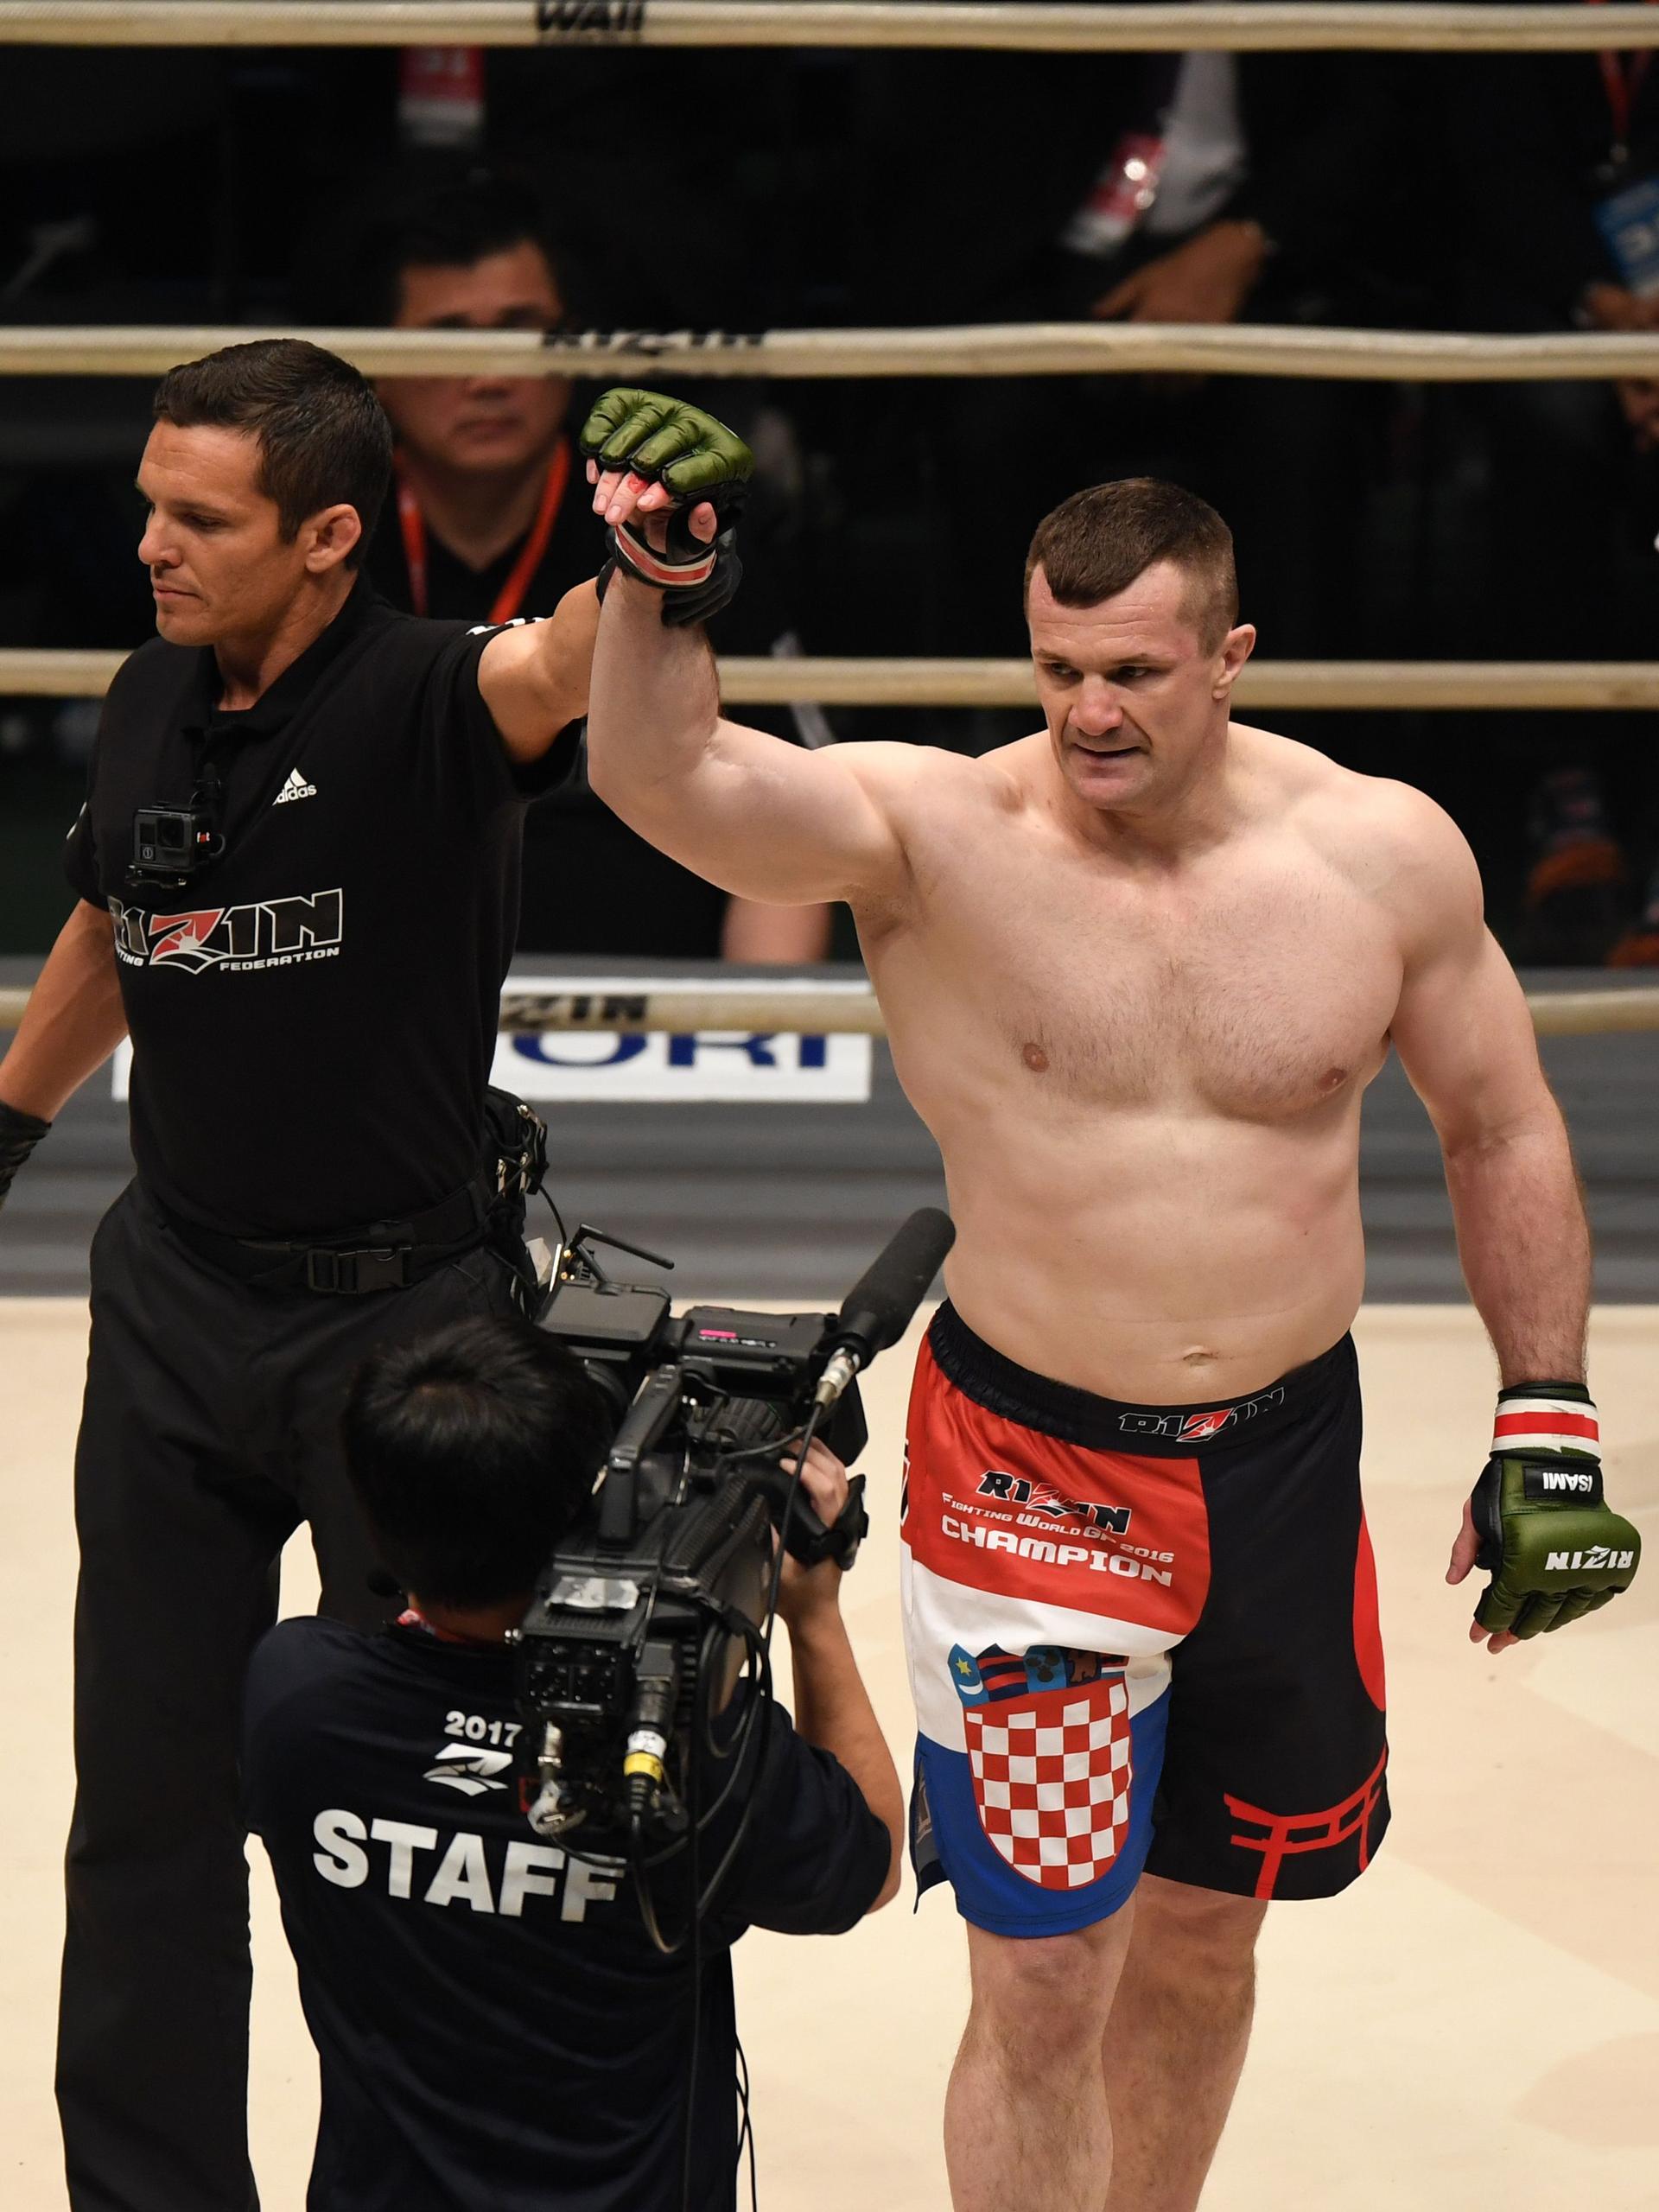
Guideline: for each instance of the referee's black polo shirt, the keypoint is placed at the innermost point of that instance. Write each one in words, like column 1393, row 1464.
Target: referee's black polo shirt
column 312, row 1018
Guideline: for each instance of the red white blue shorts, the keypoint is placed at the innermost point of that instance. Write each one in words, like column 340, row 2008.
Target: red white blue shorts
column 1140, row 1637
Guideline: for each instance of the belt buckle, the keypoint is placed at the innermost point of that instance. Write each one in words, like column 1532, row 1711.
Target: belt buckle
column 375, row 1267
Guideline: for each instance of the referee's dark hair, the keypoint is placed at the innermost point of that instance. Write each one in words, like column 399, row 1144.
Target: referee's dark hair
column 324, row 438
column 471, row 1452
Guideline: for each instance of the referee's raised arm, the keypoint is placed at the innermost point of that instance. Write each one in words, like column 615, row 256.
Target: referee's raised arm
column 534, row 676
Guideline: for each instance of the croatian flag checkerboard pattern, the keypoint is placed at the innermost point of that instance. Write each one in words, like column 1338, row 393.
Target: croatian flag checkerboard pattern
column 1051, row 1779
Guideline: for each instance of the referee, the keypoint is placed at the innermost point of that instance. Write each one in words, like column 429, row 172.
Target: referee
column 297, row 874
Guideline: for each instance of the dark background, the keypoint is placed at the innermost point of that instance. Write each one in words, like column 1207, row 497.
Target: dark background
column 743, row 191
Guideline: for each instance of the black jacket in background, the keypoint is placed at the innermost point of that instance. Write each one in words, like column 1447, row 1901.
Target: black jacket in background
column 961, row 220
column 1525, row 135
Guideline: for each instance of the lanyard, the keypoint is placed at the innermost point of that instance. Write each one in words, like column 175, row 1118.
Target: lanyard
column 509, row 598
column 1622, row 77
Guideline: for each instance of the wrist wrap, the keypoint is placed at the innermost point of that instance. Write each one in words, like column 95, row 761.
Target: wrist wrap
column 695, row 580
column 1546, row 1417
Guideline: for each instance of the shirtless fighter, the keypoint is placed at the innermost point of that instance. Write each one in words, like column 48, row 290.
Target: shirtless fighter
column 1138, row 970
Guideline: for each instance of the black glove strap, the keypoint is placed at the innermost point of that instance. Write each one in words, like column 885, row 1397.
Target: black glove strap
column 19, row 1135
column 692, row 590
column 1483, row 1507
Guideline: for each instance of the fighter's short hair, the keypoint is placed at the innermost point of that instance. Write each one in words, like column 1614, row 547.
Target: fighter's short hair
column 1097, row 542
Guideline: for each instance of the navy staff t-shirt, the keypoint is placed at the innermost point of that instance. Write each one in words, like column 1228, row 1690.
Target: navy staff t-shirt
column 313, row 1016
column 494, row 2027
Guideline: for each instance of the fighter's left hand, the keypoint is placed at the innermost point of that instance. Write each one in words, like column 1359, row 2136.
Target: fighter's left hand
column 1537, row 1520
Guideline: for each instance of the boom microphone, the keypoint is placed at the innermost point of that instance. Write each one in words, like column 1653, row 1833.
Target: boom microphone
column 877, row 1310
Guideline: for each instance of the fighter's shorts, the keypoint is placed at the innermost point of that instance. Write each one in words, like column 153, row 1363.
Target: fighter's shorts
column 1140, row 1637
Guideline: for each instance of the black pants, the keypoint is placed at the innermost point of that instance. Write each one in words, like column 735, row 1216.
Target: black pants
column 209, row 1433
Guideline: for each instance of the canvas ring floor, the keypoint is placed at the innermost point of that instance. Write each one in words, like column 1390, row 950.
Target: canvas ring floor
column 1474, row 2026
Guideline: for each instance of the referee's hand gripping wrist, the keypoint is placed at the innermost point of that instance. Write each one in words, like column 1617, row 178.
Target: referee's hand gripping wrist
column 670, row 481
column 1537, row 1522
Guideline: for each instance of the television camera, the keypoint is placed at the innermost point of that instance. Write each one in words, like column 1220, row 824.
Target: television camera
column 660, row 1603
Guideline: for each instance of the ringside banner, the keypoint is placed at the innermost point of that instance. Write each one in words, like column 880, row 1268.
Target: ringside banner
column 711, row 1065
column 739, row 1067
column 703, row 1066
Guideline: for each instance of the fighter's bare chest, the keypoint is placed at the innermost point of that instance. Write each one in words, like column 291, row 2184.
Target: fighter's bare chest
column 1262, row 991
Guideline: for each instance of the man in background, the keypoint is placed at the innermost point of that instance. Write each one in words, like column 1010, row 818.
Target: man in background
column 486, row 524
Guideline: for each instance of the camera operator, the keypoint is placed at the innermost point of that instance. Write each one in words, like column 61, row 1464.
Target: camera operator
column 495, row 2025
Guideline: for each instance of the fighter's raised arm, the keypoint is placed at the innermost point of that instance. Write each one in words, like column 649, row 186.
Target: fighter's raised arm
column 756, row 815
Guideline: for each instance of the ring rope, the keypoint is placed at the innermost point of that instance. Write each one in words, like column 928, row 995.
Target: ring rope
column 968, row 350
column 1372, row 685
column 1157, row 26
column 797, row 1007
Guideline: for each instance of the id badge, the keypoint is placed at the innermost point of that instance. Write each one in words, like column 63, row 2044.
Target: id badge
column 1122, row 192
column 1629, row 222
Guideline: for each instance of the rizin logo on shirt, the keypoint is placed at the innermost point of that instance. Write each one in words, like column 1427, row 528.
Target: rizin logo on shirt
column 470, row 1768
column 274, row 933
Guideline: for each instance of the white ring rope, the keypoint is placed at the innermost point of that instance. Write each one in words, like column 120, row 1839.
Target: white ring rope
column 970, row 350
column 801, row 1007
column 1075, row 29
column 1377, row 686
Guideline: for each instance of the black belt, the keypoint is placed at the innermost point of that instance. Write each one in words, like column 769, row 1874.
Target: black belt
column 350, row 1263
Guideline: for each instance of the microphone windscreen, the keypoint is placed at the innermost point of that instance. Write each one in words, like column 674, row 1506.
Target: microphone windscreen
column 877, row 1310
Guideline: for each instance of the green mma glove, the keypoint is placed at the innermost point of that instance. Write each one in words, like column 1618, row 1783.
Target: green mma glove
column 695, row 458
column 1553, row 1547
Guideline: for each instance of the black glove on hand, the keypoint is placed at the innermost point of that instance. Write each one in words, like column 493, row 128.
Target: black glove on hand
column 19, row 1135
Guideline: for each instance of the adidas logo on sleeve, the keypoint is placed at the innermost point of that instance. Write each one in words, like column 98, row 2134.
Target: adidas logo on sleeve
column 295, row 787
